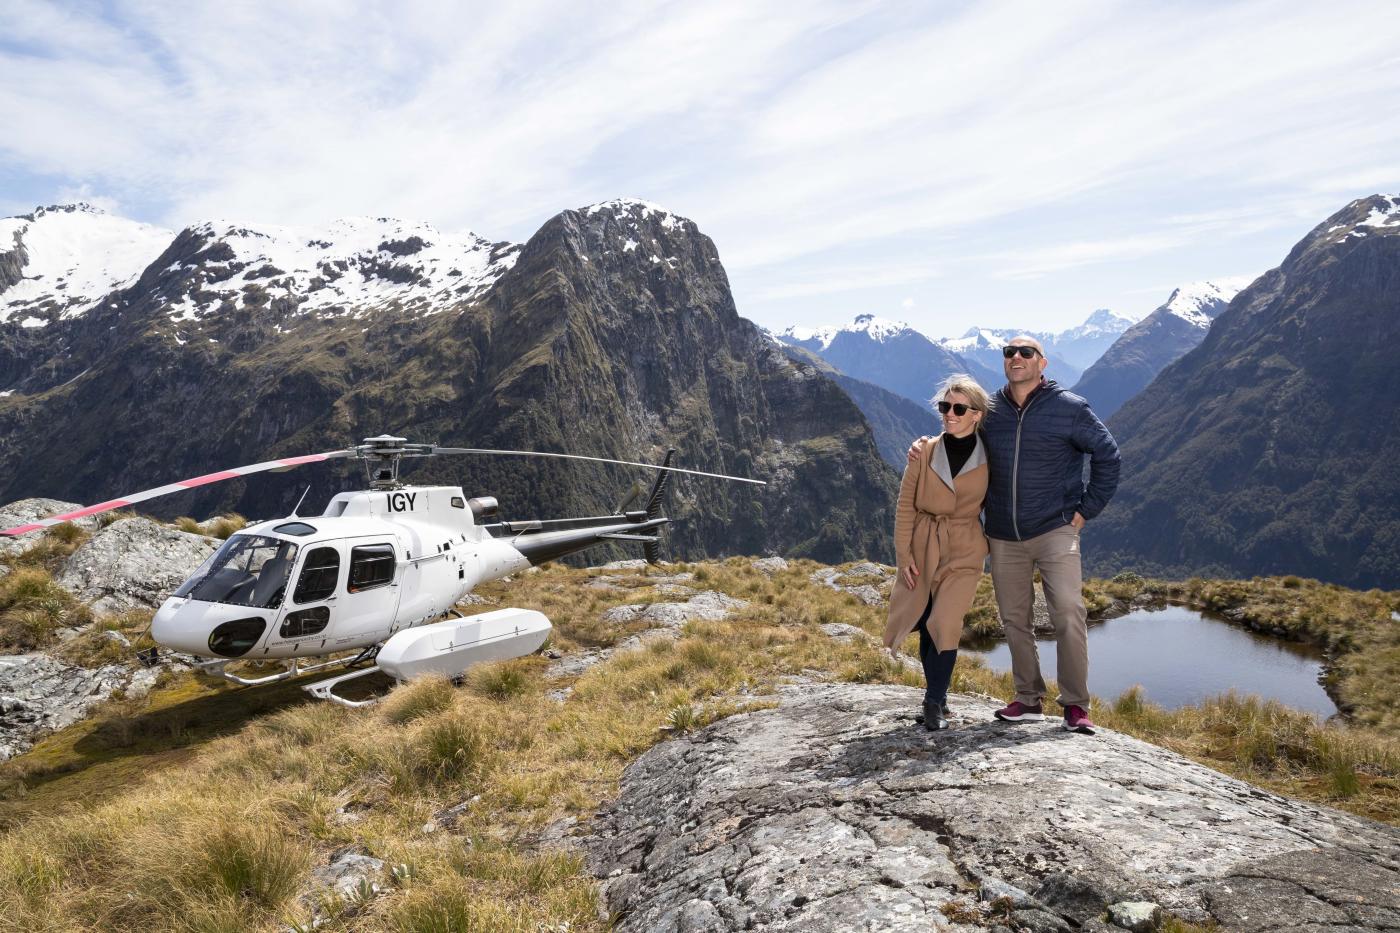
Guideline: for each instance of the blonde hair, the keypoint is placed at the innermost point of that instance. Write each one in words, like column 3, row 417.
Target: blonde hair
column 965, row 385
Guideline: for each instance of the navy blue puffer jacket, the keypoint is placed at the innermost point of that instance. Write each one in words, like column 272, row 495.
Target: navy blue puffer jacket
column 1036, row 455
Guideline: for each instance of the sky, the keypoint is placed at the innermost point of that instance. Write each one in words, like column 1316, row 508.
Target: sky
column 951, row 164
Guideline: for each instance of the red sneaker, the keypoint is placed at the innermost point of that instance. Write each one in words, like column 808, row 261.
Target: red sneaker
column 1076, row 720
column 1016, row 711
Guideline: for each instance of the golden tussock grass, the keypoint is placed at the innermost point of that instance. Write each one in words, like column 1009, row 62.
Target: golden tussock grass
column 205, row 806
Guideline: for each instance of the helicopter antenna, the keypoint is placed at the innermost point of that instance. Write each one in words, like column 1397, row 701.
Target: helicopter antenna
column 296, row 508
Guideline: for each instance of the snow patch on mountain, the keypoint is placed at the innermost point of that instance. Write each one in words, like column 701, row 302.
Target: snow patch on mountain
column 1197, row 303
column 1388, row 216
column 356, row 264
column 877, row 329
column 72, row 255
column 628, row 209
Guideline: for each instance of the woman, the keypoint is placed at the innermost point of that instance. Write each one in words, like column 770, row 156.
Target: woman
column 938, row 541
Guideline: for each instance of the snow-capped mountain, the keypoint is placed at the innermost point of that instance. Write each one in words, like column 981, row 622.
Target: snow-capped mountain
column 611, row 332
column 66, row 258
column 1270, row 447
column 353, row 266
column 58, row 261
column 1179, row 324
column 889, row 354
column 1199, row 302
column 1069, row 351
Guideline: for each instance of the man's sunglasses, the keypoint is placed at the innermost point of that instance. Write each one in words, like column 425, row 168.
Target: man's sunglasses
column 1026, row 352
column 957, row 408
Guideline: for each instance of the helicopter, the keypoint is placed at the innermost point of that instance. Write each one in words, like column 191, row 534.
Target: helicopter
column 379, row 572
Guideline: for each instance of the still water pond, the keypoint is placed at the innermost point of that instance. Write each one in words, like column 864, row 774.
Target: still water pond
column 1181, row 657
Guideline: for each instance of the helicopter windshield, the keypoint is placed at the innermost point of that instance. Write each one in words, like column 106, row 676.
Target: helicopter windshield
column 249, row 570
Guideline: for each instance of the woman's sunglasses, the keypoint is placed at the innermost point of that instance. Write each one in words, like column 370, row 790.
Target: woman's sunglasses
column 957, row 408
column 1026, row 352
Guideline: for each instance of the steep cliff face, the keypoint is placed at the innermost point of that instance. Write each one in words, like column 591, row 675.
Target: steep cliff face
column 611, row 332
column 1271, row 447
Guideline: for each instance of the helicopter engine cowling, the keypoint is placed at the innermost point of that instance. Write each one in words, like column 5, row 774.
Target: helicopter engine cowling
column 450, row 647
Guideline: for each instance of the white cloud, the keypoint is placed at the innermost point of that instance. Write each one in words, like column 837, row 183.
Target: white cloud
column 827, row 147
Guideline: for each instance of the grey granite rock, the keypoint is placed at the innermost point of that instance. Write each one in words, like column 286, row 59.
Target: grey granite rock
column 835, row 812
column 133, row 564
column 1137, row 916
column 39, row 694
column 27, row 510
column 770, row 565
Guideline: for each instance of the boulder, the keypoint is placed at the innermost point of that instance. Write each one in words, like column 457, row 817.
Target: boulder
column 835, row 811
column 770, row 565
column 39, row 694
column 27, row 510
column 133, row 564
column 1137, row 916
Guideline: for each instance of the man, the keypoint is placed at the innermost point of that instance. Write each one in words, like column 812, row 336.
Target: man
column 1036, row 437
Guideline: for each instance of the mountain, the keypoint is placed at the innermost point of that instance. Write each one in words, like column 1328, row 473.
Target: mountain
column 889, row 354
column 1272, row 447
column 610, row 332
column 1139, row 354
column 894, row 420
column 1069, row 351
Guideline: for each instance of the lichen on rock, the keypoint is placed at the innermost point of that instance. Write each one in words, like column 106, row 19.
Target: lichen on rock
column 835, row 811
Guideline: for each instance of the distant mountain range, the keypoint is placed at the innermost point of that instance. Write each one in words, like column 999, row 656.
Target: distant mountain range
column 1140, row 353
column 889, row 354
column 132, row 356
column 1070, row 351
column 1272, row 446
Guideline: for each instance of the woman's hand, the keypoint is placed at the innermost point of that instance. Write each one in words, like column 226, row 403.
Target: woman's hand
column 910, row 575
column 916, row 447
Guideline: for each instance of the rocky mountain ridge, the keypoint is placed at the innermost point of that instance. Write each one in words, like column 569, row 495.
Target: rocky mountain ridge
column 1267, row 448
column 889, row 354
column 611, row 332
column 1070, row 351
column 1174, row 327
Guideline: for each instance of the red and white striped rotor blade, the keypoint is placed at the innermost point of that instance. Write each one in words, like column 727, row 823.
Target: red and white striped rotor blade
column 286, row 463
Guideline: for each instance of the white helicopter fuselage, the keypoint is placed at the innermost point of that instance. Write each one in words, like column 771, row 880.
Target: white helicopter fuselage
column 372, row 564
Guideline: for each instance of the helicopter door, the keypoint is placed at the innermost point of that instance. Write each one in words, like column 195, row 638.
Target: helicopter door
column 307, row 617
column 371, row 596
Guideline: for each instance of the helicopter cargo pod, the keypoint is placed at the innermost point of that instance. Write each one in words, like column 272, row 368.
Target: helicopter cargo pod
column 452, row 646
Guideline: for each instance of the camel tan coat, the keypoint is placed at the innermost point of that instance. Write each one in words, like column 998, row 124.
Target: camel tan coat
column 936, row 526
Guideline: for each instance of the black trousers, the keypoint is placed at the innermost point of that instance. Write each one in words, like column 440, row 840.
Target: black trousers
column 938, row 665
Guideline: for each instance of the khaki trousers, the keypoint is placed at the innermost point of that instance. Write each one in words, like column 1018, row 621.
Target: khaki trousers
column 1056, row 555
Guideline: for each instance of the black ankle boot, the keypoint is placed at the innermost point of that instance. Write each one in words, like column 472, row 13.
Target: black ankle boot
column 934, row 717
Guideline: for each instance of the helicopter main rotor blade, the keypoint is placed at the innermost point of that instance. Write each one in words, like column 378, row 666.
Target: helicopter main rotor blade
column 286, row 463
column 649, row 466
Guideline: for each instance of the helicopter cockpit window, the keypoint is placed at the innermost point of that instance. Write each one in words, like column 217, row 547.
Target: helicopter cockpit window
column 371, row 565
column 249, row 570
column 318, row 576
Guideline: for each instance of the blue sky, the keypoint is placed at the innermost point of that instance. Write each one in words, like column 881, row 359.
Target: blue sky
column 1008, row 164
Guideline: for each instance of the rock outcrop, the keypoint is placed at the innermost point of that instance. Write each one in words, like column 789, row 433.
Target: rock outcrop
column 27, row 510
column 39, row 694
column 133, row 564
column 835, row 811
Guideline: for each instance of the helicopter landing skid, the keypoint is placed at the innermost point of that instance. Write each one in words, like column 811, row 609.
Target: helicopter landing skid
column 217, row 669
column 325, row 689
